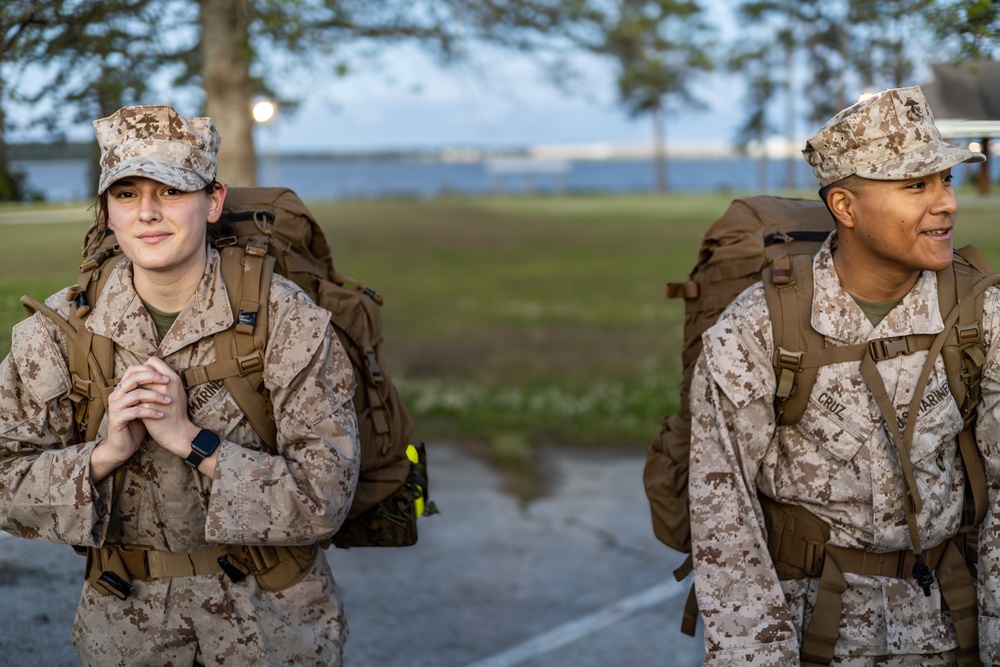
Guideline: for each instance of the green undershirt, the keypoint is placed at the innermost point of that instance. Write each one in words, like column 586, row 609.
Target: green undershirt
column 875, row 310
column 162, row 320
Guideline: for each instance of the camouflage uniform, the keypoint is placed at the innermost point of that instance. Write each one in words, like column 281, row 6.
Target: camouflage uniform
column 839, row 463
column 298, row 496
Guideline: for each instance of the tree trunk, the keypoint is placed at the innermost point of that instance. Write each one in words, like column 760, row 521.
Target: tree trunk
column 6, row 178
column 225, row 48
column 791, row 158
column 659, row 154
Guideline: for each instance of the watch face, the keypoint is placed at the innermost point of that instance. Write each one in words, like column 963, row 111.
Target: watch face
column 205, row 442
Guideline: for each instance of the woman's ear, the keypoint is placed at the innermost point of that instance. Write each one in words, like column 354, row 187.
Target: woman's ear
column 216, row 199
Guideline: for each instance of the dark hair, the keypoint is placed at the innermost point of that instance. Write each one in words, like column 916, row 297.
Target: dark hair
column 98, row 230
column 852, row 183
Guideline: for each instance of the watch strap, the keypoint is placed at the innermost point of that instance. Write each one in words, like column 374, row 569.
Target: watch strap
column 203, row 446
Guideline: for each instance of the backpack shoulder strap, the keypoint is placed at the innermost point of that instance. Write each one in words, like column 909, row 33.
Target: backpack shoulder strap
column 788, row 289
column 239, row 350
column 960, row 300
column 91, row 358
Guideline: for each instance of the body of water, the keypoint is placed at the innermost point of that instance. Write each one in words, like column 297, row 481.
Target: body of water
column 322, row 178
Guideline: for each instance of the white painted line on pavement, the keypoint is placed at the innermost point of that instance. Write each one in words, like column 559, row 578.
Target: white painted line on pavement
column 582, row 627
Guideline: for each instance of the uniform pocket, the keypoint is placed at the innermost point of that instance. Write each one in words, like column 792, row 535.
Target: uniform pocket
column 834, row 425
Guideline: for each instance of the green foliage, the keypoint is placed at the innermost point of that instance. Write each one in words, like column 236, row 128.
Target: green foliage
column 974, row 24
column 659, row 47
column 850, row 46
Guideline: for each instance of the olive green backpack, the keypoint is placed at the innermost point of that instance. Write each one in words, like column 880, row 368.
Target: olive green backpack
column 265, row 230
column 773, row 239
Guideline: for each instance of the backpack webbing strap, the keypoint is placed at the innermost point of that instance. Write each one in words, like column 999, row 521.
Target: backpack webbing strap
column 912, row 503
column 820, row 637
column 959, row 592
column 689, row 620
column 797, row 542
column 343, row 279
column 240, row 349
column 374, row 384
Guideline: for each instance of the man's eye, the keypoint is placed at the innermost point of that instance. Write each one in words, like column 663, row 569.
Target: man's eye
column 919, row 185
column 948, row 179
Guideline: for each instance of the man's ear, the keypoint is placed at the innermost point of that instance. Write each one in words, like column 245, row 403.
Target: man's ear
column 216, row 199
column 841, row 203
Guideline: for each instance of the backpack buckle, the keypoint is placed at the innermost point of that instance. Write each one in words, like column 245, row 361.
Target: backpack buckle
column 969, row 333
column 250, row 363
column 787, row 359
column 885, row 348
column 256, row 247
column 374, row 370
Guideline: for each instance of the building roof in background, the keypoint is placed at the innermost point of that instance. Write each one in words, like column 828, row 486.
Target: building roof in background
column 965, row 98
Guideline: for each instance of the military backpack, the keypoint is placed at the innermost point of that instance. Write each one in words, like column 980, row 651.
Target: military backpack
column 266, row 230
column 772, row 240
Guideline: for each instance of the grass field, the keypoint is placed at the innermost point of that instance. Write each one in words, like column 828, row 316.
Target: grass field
column 511, row 322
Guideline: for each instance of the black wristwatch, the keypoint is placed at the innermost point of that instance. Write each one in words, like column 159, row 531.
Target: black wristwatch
column 203, row 445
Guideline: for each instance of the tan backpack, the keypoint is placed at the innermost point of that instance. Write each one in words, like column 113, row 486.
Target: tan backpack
column 773, row 239
column 267, row 230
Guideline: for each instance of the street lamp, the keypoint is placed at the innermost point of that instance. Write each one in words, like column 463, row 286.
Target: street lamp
column 263, row 112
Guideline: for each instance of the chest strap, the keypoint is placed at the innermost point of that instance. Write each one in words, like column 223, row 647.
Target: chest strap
column 798, row 543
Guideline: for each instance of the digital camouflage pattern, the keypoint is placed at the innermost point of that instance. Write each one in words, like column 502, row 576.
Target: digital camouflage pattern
column 298, row 497
column 158, row 143
column 886, row 137
column 838, row 463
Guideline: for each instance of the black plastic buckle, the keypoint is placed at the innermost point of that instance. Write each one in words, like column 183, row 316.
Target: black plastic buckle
column 923, row 574
column 234, row 573
column 115, row 585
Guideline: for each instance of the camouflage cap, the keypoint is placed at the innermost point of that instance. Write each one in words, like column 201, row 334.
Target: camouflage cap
column 889, row 136
column 158, row 143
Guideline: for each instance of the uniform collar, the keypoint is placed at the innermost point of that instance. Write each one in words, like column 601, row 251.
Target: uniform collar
column 120, row 315
column 836, row 315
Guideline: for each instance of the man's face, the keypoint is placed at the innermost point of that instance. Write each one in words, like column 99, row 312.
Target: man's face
column 903, row 227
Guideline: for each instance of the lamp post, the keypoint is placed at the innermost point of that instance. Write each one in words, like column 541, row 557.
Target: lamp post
column 264, row 112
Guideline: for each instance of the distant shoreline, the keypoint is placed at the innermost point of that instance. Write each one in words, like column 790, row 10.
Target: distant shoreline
column 598, row 152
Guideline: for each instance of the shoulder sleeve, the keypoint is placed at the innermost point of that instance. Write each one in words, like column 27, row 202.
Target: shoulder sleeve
column 40, row 361
column 297, row 328
column 738, row 349
column 988, row 441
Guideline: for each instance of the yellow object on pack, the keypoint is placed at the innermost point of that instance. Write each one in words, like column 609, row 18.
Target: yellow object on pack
column 418, row 501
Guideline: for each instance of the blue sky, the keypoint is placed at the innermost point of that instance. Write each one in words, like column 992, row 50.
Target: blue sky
column 408, row 101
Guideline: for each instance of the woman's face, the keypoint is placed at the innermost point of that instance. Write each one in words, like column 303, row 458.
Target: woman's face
column 160, row 228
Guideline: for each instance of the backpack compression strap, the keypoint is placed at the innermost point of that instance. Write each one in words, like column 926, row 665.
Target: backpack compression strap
column 799, row 350
column 239, row 350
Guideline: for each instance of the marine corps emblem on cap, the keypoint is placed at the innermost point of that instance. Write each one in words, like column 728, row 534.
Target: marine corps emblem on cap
column 889, row 136
column 158, row 143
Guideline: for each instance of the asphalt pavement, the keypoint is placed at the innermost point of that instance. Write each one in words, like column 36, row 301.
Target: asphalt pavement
column 574, row 577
